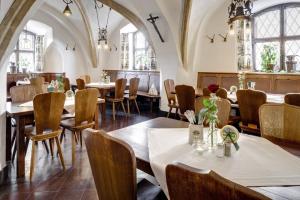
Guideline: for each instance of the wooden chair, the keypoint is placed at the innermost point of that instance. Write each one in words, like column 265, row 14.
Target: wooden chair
column 292, row 99
column 67, row 85
column 80, row 84
column 132, row 96
column 118, row 96
column 280, row 122
column 224, row 108
column 249, row 102
column 172, row 103
column 222, row 93
column 185, row 182
column 21, row 94
column 48, row 108
column 86, row 78
column 38, row 84
column 85, row 109
column 186, row 99
column 113, row 165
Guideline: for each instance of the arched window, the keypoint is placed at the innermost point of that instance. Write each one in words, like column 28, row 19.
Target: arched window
column 24, row 52
column 276, row 31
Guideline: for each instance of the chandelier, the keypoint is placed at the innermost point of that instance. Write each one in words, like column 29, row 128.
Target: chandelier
column 102, row 42
column 239, row 10
column 67, row 11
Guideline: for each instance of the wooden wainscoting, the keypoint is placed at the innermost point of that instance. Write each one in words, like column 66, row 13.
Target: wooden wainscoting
column 276, row 83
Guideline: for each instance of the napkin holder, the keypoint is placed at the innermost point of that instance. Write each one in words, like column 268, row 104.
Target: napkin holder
column 194, row 128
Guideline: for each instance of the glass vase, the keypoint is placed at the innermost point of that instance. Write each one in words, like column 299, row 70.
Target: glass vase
column 212, row 135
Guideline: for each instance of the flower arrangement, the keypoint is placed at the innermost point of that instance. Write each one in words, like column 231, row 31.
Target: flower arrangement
column 56, row 85
column 213, row 88
column 103, row 76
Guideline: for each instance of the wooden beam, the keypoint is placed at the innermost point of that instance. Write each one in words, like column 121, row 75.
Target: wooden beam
column 184, row 30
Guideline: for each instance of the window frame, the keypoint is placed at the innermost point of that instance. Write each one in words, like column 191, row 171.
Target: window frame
column 282, row 37
column 17, row 50
column 138, row 49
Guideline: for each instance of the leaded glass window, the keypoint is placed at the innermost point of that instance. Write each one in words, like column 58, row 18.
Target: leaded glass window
column 278, row 28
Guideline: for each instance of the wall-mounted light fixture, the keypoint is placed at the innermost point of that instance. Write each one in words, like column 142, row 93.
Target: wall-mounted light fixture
column 69, row 48
column 67, row 11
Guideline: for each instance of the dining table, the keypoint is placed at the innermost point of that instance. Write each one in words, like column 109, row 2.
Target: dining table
column 137, row 137
column 22, row 113
column 104, row 89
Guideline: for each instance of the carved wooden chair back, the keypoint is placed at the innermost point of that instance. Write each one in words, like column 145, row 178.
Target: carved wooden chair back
column 22, row 93
column 189, row 183
column 120, row 88
column 80, row 84
column 186, row 97
column 113, row 166
column 38, row 84
column 292, row 99
column 86, row 79
column 224, row 108
column 249, row 102
column 85, row 105
column 222, row 92
column 280, row 121
column 133, row 87
column 67, row 85
column 169, row 87
column 48, row 108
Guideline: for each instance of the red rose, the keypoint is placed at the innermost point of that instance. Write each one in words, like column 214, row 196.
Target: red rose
column 213, row 88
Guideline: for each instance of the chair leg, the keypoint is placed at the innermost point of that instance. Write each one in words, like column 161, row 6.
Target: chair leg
column 60, row 153
column 73, row 147
column 137, row 107
column 169, row 112
column 80, row 137
column 176, row 113
column 62, row 135
column 32, row 160
column 114, row 111
column 46, row 146
column 51, row 147
column 123, row 107
column 26, row 145
column 128, row 106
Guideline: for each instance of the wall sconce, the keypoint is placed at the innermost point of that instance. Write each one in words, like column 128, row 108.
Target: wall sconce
column 67, row 11
column 224, row 37
column 212, row 39
column 68, row 48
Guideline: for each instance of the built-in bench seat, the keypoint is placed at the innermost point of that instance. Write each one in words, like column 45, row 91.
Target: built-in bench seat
column 147, row 79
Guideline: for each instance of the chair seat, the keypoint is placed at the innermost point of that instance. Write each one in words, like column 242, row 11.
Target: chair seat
column 126, row 96
column 146, row 190
column 30, row 132
column 70, row 124
column 250, row 128
column 110, row 99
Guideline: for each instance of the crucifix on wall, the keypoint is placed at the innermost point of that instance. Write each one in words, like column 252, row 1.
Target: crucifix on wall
column 153, row 20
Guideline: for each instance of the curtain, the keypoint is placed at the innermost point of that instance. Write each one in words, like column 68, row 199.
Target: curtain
column 125, row 50
column 39, row 52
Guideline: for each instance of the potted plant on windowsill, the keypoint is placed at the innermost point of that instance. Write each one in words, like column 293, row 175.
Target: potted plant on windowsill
column 268, row 57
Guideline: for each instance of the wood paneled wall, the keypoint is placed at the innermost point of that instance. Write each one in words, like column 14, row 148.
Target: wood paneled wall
column 269, row 82
column 147, row 78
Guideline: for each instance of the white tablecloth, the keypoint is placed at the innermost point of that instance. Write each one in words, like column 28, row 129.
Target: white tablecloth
column 258, row 162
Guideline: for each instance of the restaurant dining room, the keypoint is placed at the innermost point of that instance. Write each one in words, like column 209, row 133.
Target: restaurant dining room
column 150, row 99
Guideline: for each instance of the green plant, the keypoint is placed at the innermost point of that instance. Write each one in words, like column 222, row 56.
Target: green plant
column 210, row 110
column 268, row 57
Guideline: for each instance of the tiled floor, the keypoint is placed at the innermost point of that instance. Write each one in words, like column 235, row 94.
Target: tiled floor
column 50, row 182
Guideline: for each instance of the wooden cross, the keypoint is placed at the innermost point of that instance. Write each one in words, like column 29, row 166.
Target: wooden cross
column 152, row 20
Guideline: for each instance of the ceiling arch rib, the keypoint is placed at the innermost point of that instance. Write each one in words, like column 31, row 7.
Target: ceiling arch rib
column 89, row 31
column 184, row 30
